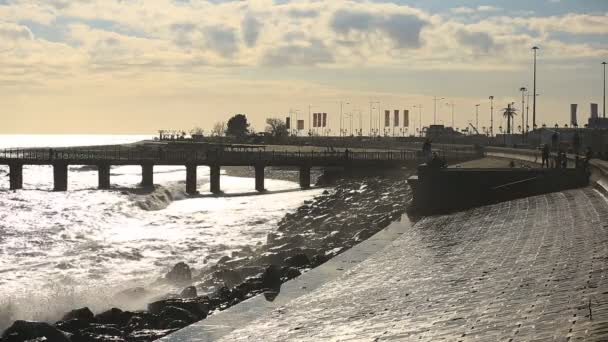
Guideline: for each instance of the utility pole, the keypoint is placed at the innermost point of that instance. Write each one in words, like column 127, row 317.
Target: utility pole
column 604, row 63
column 491, row 115
column 535, row 48
column 523, row 102
column 451, row 104
column 477, row 118
column 435, row 99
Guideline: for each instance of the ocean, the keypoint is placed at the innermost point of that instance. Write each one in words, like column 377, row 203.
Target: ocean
column 59, row 251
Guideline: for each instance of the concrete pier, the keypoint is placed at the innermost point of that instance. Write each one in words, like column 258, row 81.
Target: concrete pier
column 60, row 176
column 103, row 173
column 259, row 178
column 191, row 179
column 16, row 176
column 304, row 177
column 147, row 175
column 214, row 179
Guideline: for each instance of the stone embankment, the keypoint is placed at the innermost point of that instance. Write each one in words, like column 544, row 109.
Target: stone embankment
column 348, row 213
column 532, row 269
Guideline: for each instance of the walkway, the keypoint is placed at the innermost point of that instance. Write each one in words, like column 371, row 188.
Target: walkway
column 530, row 269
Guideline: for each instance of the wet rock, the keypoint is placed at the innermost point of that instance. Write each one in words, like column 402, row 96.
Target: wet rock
column 199, row 306
column 288, row 273
column 188, row 292
column 148, row 335
column 177, row 324
column 100, row 329
column 299, row 260
column 172, row 313
column 180, row 273
column 114, row 316
column 271, row 278
column 229, row 277
column 22, row 331
column 82, row 314
column 72, row 325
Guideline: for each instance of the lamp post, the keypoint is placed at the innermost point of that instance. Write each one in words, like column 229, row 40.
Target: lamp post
column 535, row 49
column 435, row 99
column 451, row 104
column 604, row 107
column 491, row 115
column 419, row 118
column 523, row 102
column 477, row 118
column 341, row 119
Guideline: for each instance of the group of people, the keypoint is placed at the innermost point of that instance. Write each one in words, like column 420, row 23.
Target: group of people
column 560, row 159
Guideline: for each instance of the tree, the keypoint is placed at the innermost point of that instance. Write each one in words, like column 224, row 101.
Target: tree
column 276, row 127
column 237, row 126
column 197, row 131
column 218, row 129
column 509, row 113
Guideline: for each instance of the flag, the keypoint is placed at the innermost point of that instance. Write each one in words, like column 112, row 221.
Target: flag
column 406, row 118
column 387, row 118
column 314, row 120
column 300, row 125
column 396, row 120
column 288, row 122
column 324, row 119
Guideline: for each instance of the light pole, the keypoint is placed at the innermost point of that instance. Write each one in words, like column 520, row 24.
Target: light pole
column 477, row 118
column 341, row 114
column 523, row 102
column 451, row 104
column 419, row 118
column 435, row 99
column 371, row 104
column 604, row 63
column 535, row 49
column 491, row 115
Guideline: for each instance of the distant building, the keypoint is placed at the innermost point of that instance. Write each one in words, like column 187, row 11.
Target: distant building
column 438, row 131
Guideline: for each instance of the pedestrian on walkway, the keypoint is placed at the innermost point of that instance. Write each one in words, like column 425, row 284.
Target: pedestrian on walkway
column 545, row 156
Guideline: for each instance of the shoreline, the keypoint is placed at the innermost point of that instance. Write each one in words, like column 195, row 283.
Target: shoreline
column 286, row 255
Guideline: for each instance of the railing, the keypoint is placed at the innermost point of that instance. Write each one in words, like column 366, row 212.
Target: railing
column 161, row 156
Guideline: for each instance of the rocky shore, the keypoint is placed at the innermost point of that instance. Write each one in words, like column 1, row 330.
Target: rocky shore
column 355, row 208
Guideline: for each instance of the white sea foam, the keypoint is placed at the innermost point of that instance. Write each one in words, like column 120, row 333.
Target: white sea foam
column 63, row 250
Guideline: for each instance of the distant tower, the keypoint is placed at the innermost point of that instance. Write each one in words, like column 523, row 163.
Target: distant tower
column 573, row 121
column 594, row 114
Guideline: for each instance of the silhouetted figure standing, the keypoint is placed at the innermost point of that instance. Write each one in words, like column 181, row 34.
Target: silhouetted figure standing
column 426, row 150
column 545, row 156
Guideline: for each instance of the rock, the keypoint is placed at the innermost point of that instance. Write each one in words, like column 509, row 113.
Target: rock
column 72, row 325
column 180, row 273
column 142, row 320
column 172, row 313
column 83, row 314
column 100, row 329
column 188, row 292
column 288, row 273
column 199, row 306
column 148, row 335
column 271, row 278
column 229, row 277
column 299, row 260
column 26, row 330
column 318, row 259
column 114, row 316
column 177, row 324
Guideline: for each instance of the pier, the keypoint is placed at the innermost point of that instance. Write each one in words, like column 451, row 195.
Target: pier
column 148, row 158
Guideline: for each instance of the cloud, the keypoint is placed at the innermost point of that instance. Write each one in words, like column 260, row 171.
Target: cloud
column 313, row 53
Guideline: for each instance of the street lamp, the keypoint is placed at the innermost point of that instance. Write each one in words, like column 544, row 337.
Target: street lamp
column 477, row 118
column 523, row 100
column 491, row 115
column 604, row 64
column 419, row 118
column 435, row 99
column 341, row 114
column 535, row 49
column 451, row 104
column 371, row 104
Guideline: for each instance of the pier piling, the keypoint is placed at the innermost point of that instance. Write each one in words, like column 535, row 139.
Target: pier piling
column 305, row 177
column 147, row 175
column 60, row 176
column 191, row 179
column 103, row 172
column 214, row 178
column 259, row 178
column 16, row 176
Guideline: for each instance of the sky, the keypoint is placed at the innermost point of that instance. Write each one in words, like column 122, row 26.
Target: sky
column 136, row 66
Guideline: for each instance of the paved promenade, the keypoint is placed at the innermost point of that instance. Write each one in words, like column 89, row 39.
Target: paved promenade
column 527, row 270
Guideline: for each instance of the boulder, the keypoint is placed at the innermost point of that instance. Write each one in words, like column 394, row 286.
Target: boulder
column 288, row 273
column 180, row 273
column 73, row 325
column 82, row 314
column 299, row 260
column 172, row 313
column 114, row 316
column 188, row 292
column 100, row 329
column 26, row 330
column 199, row 306
column 148, row 335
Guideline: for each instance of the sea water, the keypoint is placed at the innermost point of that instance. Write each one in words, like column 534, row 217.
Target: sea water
column 62, row 250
